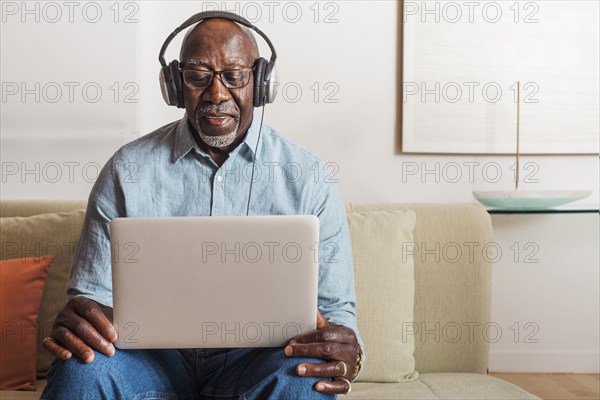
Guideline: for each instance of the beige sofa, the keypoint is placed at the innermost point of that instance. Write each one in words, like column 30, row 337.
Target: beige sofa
column 447, row 294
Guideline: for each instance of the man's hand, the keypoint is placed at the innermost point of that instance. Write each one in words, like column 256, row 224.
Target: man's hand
column 332, row 342
column 81, row 327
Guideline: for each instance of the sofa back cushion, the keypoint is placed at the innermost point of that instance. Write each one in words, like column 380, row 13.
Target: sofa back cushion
column 39, row 235
column 28, row 208
column 453, row 277
column 385, row 288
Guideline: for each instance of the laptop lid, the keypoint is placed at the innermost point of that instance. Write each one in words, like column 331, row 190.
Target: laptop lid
column 204, row 282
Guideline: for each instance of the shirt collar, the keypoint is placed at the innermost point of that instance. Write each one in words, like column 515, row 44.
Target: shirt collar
column 184, row 138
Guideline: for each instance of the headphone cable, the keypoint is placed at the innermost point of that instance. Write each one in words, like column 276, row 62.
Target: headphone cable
column 254, row 159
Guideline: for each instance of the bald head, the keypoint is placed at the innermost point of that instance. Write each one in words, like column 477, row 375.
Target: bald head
column 222, row 28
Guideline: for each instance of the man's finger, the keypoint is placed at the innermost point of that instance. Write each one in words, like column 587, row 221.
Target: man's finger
column 67, row 339
column 91, row 311
column 324, row 350
column 326, row 370
column 329, row 335
column 88, row 333
column 336, row 387
column 56, row 349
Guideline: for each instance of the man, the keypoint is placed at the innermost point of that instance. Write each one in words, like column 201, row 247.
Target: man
column 218, row 134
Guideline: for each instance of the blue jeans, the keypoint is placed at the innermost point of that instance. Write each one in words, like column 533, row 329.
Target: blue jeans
column 170, row 374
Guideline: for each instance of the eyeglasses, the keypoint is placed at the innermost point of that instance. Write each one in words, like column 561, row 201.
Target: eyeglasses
column 200, row 79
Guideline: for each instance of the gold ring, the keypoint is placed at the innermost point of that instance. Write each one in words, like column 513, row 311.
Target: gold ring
column 345, row 368
column 349, row 384
column 47, row 338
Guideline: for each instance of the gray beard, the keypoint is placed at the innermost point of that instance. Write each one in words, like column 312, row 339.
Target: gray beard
column 220, row 140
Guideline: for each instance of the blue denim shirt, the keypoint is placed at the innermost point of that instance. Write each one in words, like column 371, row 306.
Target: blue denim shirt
column 165, row 173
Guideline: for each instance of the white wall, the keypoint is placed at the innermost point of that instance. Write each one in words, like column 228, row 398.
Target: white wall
column 545, row 293
column 356, row 54
column 69, row 90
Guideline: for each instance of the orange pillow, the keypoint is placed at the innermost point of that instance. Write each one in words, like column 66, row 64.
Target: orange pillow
column 21, row 286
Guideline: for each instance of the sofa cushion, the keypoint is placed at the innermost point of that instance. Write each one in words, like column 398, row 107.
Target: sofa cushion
column 29, row 208
column 435, row 386
column 44, row 234
column 428, row 387
column 21, row 286
column 23, row 395
column 384, row 279
column 452, row 296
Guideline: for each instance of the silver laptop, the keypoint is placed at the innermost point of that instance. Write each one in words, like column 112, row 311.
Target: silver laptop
column 206, row 282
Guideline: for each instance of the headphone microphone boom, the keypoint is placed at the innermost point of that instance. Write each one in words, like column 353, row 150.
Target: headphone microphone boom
column 266, row 78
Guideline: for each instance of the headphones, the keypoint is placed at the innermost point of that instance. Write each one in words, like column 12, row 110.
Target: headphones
column 266, row 78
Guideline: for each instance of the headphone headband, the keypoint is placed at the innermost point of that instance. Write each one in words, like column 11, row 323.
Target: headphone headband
column 214, row 14
column 265, row 75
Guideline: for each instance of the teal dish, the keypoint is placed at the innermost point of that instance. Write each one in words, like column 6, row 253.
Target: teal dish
column 529, row 200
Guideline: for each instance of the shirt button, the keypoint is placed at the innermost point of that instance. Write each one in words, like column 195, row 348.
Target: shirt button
column 219, row 179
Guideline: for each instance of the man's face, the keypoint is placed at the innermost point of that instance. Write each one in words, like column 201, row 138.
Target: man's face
column 220, row 115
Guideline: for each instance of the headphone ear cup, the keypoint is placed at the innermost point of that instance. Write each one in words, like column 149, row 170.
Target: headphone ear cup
column 177, row 84
column 271, row 79
column 166, row 85
column 259, row 82
column 170, row 84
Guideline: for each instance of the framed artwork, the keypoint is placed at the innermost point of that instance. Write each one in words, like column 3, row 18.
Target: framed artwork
column 461, row 62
